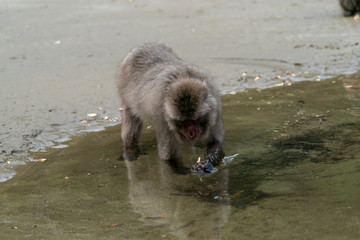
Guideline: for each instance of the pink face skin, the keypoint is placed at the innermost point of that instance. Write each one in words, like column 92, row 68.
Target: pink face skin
column 191, row 128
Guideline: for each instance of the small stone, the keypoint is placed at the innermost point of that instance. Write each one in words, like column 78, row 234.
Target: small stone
column 91, row 114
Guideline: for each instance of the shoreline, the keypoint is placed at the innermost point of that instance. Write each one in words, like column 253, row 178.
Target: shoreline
column 7, row 169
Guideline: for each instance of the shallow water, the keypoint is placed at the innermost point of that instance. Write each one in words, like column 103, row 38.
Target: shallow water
column 292, row 172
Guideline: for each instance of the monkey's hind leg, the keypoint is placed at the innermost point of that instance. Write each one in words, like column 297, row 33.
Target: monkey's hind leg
column 130, row 133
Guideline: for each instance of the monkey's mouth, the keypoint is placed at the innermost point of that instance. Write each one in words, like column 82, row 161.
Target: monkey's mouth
column 191, row 128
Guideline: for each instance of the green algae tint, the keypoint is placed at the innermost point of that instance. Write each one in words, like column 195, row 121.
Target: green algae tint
column 292, row 172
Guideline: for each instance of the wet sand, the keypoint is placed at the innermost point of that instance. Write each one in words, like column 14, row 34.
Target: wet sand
column 296, row 176
column 59, row 59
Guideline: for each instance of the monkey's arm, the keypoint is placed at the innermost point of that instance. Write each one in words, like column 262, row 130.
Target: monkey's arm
column 166, row 143
column 214, row 152
column 213, row 155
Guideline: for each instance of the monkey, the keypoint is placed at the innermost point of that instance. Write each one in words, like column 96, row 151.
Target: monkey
column 350, row 7
column 179, row 99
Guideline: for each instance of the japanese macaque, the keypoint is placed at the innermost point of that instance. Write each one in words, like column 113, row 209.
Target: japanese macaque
column 179, row 99
column 350, row 7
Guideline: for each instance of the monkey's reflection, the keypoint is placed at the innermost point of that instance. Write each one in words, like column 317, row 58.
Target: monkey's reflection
column 191, row 207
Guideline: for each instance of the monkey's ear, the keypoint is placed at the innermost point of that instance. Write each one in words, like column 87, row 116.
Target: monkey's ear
column 204, row 109
column 170, row 74
column 173, row 76
column 211, row 101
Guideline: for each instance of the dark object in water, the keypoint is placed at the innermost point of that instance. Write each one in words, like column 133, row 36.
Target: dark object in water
column 202, row 166
column 350, row 7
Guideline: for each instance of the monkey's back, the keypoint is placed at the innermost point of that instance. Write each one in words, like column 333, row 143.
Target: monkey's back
column 146, row 74
column 139, row 71
column 147, row 56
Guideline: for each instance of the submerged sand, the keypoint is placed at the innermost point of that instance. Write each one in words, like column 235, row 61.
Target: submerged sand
column 294, row 174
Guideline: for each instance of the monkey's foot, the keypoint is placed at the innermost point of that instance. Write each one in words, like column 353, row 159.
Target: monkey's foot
column 131, row 153
column 203, row 167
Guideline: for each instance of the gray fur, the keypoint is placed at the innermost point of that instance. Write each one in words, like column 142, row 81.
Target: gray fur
column 156, row 85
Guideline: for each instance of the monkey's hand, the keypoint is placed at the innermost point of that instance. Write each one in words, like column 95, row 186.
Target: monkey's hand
column 213, row 156
column 204, row 166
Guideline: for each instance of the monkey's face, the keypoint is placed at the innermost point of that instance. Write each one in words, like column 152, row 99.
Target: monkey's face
column 191, row 129
column 187, row 109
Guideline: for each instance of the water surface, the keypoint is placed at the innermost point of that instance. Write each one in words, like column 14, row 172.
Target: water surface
column 294, row 174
